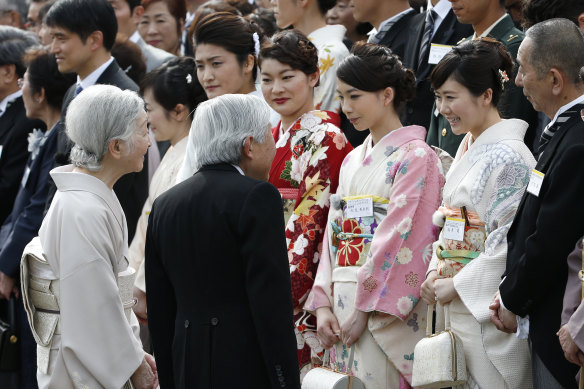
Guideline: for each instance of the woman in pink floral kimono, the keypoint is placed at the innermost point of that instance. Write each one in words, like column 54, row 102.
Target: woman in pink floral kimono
column 309, row 150
column 379, row 235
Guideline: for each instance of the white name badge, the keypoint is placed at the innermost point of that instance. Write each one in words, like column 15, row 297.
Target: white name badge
column 359, row 208
column 454, row 229
column 437, row 52
column 535, row 182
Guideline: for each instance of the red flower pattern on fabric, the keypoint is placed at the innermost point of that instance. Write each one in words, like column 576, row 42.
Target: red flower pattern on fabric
column 350, row 249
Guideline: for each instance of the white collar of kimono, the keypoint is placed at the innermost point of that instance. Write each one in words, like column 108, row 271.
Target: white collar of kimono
column 328, row 33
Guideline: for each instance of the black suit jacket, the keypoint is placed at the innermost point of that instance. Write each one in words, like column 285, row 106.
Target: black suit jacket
column 398, row 37
column 131, row 189
column 450, row 32
column 543, row 233
column 218, row 282
column 14, row 130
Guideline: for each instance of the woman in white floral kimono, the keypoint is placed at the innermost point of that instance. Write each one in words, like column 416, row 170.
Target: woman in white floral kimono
column 379, row 233
column 309, row 150
column 483, row 189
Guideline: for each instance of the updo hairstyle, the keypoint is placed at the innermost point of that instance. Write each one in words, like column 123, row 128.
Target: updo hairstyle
column 477, row 65
column 293, row 48
column 371, row 67
column 175, row 82
column 229, row 31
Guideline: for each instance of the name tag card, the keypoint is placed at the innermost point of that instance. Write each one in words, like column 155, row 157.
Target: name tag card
column 437, row 52
column 454, row 229
column 359, row 208
column 535, row 182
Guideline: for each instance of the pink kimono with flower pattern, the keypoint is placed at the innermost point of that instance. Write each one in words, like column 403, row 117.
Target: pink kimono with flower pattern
column 404, row 177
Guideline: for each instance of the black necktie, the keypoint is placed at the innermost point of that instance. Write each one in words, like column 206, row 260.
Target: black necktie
column 427, row 37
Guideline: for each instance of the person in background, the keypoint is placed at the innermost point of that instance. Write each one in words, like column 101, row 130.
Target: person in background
column 391, row 20
column 529, row 301
column 437, row 25
column 129, row 57
column 33, row 21
column 515, row 9
column 309, row 152
column 83, row 33
column 487, row 179
column 129, row 14
column 44, row 33
column 14, row 125
column 226, row 53
column 82, row 242
column 43, row 88
column 342, row 13
column 13, row 13
column 367, row 288
column 220, row 297
column 265, row 20
column 162, row 24
column 171, row 92
column 535, row 11
column 488, row 19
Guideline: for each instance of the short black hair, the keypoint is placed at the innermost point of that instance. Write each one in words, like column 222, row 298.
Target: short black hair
column 83, row 17
column 13, row 44
column 535, row 11
column 325, row 5
column 133, row 4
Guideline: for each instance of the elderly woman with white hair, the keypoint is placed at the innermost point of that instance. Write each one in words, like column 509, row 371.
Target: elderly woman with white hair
column 216, row 266
column 77, row 289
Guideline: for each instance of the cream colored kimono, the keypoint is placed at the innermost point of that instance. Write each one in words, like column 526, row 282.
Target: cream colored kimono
column 84, row 239
column 489, row 177
column 163, row 179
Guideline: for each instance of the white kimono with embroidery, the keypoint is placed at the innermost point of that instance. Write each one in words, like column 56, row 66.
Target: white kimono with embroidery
column 84, row 238
column 489, row 177
column 387, row 265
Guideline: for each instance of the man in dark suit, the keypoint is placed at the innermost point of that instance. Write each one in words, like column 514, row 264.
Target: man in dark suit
column 391, row 21
column 219, row 295
column 14, row 125
column 549, row 218
column 488, row 19
column 438, row 25
column 83, row 33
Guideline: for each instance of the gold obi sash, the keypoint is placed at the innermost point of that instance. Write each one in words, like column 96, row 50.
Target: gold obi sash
column 351, row 237
column 41, row 296
column 452, row 254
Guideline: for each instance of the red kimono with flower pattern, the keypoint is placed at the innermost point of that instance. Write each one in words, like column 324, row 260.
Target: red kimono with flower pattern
column 306, row 171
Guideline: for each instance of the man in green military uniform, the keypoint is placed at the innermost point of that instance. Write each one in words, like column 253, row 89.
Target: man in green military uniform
column 488, row 19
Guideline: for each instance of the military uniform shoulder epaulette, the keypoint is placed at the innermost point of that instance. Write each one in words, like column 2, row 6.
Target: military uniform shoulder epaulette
column 512, row 37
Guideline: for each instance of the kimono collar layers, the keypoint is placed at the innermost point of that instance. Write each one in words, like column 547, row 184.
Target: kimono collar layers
column 394, row 140
column 67, row 180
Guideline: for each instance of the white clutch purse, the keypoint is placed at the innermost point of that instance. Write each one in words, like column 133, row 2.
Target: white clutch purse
column 439, row 358
column 327, row 378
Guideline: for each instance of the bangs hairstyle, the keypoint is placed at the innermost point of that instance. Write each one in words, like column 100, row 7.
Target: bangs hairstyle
column 476, row 65
column 371, row 68
column 293, row 48
column 170, row 84
column 229, row 31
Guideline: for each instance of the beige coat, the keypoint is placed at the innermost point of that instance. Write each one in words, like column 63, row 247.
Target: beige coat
column 84, row 238
column 164, row 178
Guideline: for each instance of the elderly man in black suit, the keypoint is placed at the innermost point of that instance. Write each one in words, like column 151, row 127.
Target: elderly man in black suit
column 219, row 297
column 83, row 33
column 549, row 219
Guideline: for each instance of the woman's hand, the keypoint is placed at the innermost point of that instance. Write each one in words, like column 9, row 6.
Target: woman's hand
column 445, row 291
column 427, row 291
column 144, row 377
column 327, row 327
column 140, row 307
column 353, row 327
column 570, row 348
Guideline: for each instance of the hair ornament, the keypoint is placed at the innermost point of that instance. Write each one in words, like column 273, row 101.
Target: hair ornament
column 504, row 78
column 256, row 44
column 189, row 78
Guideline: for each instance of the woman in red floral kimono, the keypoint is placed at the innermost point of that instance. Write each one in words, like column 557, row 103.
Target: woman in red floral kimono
column 310, row 148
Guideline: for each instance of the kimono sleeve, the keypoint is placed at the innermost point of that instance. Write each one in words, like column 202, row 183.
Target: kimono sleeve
column 390, row 280
column 98, row 346
column 305, row 227
column 477, row 282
